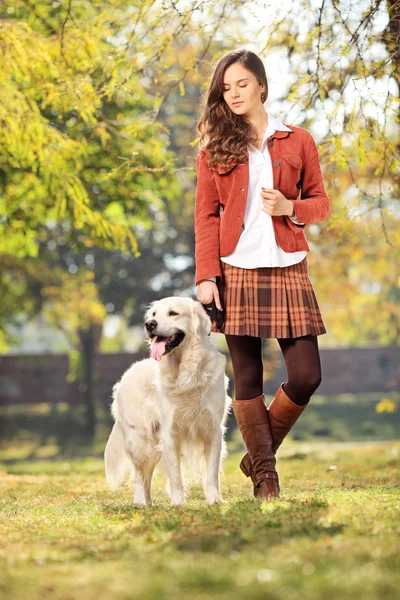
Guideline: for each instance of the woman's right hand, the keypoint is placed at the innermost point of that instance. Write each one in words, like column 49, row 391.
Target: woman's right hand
column 206, row 291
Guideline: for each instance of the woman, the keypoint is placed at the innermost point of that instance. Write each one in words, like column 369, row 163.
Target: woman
column 259, row 182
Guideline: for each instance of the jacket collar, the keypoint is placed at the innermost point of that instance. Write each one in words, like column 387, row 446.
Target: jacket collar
column 280, row 131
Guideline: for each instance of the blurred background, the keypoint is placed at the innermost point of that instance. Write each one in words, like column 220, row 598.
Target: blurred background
column 98, row 107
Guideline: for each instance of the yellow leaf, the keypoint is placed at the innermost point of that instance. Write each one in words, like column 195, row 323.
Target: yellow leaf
column 386, row 405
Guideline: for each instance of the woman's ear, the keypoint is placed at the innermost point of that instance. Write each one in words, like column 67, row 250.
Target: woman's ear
column 200, row 320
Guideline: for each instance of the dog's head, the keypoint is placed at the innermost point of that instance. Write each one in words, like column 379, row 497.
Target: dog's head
column 173, row 321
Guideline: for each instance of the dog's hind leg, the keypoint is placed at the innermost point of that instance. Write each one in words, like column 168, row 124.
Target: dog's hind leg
column 148, row 475
column 139, row 495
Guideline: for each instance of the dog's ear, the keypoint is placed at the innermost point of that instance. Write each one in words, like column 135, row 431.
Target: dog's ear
column 200, row 320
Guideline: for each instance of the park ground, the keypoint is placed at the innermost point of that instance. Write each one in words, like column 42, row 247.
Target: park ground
column 333, row 534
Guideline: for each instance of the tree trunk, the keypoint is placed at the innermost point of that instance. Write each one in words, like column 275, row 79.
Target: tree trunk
column 89, row 343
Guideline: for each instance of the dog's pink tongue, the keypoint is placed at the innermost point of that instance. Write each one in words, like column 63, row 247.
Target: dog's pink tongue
column 158, row 349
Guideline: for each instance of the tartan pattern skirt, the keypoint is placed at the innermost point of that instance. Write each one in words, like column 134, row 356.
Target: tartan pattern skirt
column 269, row 302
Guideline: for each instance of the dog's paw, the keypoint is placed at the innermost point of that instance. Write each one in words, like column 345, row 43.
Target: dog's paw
column 139, row 503
column 178, row 502
column 213, row 496
column 177, row 498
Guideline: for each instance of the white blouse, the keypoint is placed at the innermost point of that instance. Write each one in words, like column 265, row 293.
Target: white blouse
column 257, row 245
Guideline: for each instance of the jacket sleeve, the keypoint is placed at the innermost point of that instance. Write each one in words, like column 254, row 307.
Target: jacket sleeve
column 313, row 206
column 206, row 222
column 295, row 220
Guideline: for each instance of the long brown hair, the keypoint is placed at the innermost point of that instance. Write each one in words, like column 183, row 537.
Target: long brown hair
column 223, row 134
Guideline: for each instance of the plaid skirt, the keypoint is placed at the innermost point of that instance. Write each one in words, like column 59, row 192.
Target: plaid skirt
column 269, row 302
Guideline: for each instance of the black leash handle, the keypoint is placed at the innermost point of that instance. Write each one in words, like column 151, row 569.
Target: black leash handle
column 213, row 312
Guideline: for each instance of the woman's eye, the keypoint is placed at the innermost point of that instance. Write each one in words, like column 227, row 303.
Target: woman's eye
column 241, row 86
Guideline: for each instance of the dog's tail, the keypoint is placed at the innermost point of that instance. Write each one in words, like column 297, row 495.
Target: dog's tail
column 117, row 463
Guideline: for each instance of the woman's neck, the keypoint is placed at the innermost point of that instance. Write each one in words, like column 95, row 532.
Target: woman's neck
column 259, row 122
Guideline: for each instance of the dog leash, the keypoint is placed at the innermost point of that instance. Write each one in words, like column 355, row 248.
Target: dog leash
column 213, row 312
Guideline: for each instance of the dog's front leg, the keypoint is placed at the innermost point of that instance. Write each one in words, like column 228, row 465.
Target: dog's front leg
column 171, row 454
column 212, row 451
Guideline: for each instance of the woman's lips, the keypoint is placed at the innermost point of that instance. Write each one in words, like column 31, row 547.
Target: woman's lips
column 237, row 103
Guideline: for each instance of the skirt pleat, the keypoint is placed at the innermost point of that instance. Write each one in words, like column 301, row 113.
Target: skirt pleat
column 269, row 302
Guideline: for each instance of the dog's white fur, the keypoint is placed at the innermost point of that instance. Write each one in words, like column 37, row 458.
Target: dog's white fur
column 176, row 407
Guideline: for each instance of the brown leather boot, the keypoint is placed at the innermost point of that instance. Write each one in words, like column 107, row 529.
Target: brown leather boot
column 283, row 414
column 253, row 421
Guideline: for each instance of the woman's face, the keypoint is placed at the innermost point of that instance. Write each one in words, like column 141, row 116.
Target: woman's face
column 242, row 92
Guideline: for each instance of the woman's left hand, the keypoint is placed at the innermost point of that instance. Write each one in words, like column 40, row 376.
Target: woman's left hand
column 275, row 203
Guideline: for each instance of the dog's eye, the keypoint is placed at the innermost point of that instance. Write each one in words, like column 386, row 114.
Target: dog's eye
column 172, row 313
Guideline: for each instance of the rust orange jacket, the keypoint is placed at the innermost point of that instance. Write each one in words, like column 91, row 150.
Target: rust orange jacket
column 221, row 199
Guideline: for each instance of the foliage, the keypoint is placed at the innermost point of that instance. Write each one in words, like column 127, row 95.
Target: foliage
column 83, row 155
column 73, row 304
column 343, row 87
column 386, row 405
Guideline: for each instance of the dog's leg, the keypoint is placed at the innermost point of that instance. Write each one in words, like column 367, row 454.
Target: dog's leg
column 172, row 461
column 148, row 475
column 139, row 494
column 212, row 451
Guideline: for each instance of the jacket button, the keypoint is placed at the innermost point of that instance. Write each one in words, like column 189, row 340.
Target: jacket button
column 277, row 187
column 271, row 143
column 241, row 189
column 276, row 163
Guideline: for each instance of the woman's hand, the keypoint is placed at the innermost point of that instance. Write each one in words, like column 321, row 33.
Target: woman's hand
column 275, row 203
column 206, row 291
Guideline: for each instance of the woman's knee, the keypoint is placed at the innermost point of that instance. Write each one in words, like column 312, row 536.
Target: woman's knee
column 306, row 384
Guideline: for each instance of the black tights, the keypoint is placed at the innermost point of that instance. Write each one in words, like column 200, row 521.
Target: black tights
column 302, row 361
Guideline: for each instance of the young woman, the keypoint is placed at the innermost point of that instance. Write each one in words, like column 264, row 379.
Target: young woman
column 259, row 182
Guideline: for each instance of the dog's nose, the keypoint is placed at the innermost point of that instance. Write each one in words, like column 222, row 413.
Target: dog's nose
column 150, row 325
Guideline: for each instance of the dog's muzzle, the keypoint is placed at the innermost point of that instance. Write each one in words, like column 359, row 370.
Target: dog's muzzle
column 164, row 344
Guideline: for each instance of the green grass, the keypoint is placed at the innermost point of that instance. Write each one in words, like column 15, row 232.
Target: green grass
column 333, row 534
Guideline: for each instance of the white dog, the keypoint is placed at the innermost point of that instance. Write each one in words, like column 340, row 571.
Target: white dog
column 172, row 404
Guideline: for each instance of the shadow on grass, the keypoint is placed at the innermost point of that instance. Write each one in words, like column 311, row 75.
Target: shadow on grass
column 240, row 523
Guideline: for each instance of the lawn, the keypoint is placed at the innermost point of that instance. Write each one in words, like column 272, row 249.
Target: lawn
column 333, row 534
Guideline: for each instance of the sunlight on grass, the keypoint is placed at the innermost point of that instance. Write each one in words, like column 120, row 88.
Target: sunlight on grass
column 334, row 531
